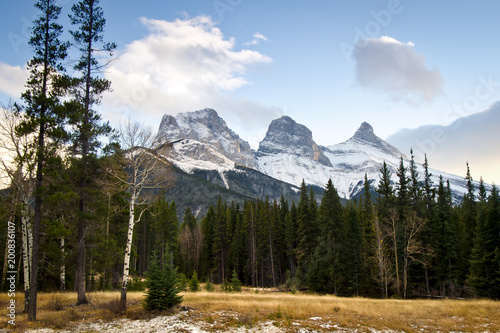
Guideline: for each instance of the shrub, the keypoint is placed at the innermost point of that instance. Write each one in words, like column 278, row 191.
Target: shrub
column 162, row 286
column 182, row 282
column 235, row 282
column 194, row 284
column 232, row 286
column 209, row 286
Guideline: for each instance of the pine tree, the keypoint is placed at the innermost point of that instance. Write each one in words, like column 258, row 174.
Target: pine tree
column 402, row 191
column 484, row 260
column 162, row 291
column 87, row 90
column 469, row 214
column 399, row 225
column 291, row 238
column 194, row 284
column 207, row 228
column 44, row 117
column 385, row 192
column 368, row 246
column 429, row 191
column 479, row 264
column 235, row 282
column 352, row 254
column 415, row 186
column 306, row 229
column 330, row 268
column 446, row 242
column 220, row 241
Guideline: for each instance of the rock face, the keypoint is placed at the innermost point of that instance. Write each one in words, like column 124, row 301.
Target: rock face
column 207, row 127
column 365, row 135
column 285, row 136
column 204, row 147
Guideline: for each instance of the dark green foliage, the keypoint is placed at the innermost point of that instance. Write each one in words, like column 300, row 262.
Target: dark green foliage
column 234, row 285
column 194, row 284
column 182, row 282
column 385, row 192
column 326, row 274
column 209, row 286
column 484, row 271
column 307, row 228
column 235, row 282
column 162, row 293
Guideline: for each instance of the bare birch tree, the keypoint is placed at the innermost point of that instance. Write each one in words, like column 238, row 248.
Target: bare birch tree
column 18, row 170
column 191, row 244
column 393, row 234
column 381, row 258
column 413, row 247
column 147, row 172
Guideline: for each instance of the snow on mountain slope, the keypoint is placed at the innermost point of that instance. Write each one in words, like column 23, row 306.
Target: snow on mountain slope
column 288, row 153
column 189, row 155
column 350, row 160
column 285, row 136
column 207, row 127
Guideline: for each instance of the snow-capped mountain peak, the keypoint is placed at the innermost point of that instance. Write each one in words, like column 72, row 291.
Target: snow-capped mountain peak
column 201, row 140
column 207, row 127
column 285, row 135
column 365, row 135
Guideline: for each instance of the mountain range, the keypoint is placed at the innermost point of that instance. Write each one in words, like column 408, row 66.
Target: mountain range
column 204, row 147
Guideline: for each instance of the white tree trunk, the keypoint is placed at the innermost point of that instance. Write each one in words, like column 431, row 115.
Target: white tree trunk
column 126, row 261
column 27, row 245
column 62, row 269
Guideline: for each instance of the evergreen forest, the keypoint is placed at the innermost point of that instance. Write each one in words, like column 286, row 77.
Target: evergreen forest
column 87, row 204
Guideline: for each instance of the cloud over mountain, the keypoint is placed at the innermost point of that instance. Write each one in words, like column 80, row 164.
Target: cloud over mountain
column 185, row 64
column 474, row 138
column 389, row 65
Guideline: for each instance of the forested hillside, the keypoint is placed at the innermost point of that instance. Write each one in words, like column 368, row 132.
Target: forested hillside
column 409, row 241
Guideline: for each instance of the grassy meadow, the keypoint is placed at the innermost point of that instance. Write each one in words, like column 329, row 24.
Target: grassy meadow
column 287, row 311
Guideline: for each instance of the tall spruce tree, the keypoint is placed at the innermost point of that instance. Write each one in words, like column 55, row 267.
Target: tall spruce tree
column 162, row 293
column 368, row 246
column 385, row 192
column 44, row 117
column 327, row 271
column 483, row 263
column 399, row 236
column 306, row 230
column 469, row 217
column 87, row 91
column 415, row 186
column 352, row 254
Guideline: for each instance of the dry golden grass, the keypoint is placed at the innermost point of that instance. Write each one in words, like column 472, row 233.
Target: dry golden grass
column 409, row 315
column 57, row 311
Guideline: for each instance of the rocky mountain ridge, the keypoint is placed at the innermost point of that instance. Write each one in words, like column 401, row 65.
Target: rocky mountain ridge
column 286, row 136
column 207, row 127
column 288, row 154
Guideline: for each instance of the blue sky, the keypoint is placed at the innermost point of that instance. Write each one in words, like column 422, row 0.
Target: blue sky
column 414, row 62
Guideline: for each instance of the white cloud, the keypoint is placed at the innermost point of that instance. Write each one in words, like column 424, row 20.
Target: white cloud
column 257, row 37
column 473, row 138
column 392, row 66
column 12, row 80
column 182, row 65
